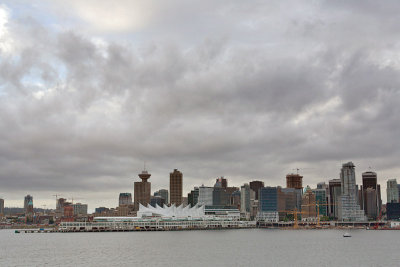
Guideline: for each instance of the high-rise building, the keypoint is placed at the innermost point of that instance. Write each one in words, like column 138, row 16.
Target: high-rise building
column 80, row 209
column 162, row 193
column 335, row 189
column 308, row 205
column 28, row 208
column 348, row 209
column 220, row 197
column 235, row 199
column 321, row 201
column 175, row 187
column 157, row 200
column 245, row 200
column 142, row 190
column 193, row 196
column 1, row 207
column 125, row 199
column 286, row 201
column 27, row 199
column 294, row 181
column 370, row 203
column 398, row 186
column 392, row 191
column 205, row 195
column 255, row 186
column 268, row 204
column 369, row 180
column 393, row 210
column 221, row 182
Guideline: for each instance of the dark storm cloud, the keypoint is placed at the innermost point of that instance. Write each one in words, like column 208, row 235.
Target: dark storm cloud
column 280, row 89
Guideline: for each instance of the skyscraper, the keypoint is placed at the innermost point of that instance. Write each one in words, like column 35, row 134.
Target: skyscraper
column 335, row 189
column 296, row 181
column 27, row 199
column 125, row 199
column 321, row 200
column 392, row 191
column 142, row 190
column 245, row 200
column 175, row 187
column 193, row 196
column 348, row 209
column 205, row 195
column 369, row 180
column 255, row 186
column 308, row 204
column 268, row 204
column 162, row 193
column 1, row 207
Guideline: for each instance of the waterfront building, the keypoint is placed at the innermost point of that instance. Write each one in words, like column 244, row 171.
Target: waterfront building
column 369, row 180
column 163, row 193
column 348, row 209
column 245, row 196
column 335, row 191
column 125, row 199
column 393, row 210
column 80, row 209
column 392, row 191
column 255, row 186
column 193, row 197
column 321, row 200
column 222, row 212
column 308, row 205
column 268, row 204
column 1, row 208
column 175, row 187
column 142, row 190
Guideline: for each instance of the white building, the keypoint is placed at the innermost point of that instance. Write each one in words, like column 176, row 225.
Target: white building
column 205, row 195
column 349, row 209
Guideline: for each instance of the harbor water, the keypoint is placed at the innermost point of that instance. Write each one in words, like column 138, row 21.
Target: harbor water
column 243, row 247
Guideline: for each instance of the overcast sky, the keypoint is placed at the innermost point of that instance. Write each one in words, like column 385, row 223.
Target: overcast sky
column 89, row 90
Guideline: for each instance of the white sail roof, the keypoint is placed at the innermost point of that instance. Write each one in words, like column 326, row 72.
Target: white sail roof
column 172, row 211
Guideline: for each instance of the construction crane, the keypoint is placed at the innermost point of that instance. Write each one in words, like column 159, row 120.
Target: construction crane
column 298, row 169
column 294, row 212
column 56, row 195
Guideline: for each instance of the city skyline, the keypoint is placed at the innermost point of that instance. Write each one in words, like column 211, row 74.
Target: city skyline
column 144, row 174
column 246, row 90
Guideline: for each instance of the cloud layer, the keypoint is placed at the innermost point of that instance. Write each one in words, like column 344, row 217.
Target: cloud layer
column 245, row 90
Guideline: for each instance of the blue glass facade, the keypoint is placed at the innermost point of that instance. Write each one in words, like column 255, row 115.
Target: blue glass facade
column 268, row 199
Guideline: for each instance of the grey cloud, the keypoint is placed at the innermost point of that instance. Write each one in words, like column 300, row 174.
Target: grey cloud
column 302, row 94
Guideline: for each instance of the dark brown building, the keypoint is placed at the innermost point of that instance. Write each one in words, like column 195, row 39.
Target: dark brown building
column 294, row 181
column 142, row 190
column 175, row 187
column 369, row 180
column 255, row 186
